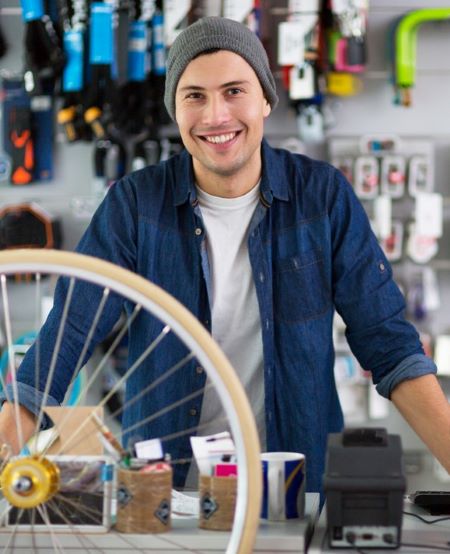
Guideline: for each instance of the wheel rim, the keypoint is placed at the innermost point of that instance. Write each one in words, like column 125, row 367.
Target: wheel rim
column 192, row 334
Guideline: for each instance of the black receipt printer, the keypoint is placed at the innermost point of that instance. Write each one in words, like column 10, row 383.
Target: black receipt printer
column 364, row 484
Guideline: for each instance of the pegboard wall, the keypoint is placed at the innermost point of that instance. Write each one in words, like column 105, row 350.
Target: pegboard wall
column 72, row 194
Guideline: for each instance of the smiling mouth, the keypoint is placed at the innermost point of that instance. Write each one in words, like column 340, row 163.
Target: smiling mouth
column 220, row 139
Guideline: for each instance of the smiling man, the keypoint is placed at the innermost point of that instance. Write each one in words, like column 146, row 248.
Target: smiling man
column 220, row 115
column 262, row 246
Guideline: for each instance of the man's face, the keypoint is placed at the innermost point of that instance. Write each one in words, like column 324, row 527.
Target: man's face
column 220, row 111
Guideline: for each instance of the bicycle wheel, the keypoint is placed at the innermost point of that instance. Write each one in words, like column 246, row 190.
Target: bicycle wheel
column 175, row 319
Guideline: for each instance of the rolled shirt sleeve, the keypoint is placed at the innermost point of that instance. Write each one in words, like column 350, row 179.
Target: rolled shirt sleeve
column 411, row 367
column 368, row 299
column 31, row 399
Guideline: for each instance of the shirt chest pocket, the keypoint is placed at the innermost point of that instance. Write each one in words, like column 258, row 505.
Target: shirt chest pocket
column 301, row 287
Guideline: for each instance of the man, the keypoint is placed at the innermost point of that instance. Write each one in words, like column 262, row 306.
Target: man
column 261, row 245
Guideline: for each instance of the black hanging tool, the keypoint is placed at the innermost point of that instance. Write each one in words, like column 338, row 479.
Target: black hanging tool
column 3, row 45
column 101, row 89
column 109, row 153
column 109, row 160
column 132, row 112
column 73, row 15
column 44, row 57
column 157, row 77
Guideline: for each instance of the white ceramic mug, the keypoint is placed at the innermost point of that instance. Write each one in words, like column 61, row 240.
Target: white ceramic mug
column 284, row 485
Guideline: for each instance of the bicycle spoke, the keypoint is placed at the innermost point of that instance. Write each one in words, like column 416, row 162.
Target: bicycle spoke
column 76, row 532
column 84, row 351
column 88, row 510
column 191, row 430
column 159, row 414
column 55, row 353
column 89, row 338
column 96, row 516
column 168, row 373
column 33, row 522
column 44, row 515
column 13, row 533
column 119, row 383
column 5, row 511
column 167, row 409
column 37, row 342
column 105, row 358
column 110, row 351
column 136, row 364
column 12, row 367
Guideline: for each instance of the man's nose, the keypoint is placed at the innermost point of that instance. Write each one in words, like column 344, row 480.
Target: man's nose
column 216, row 111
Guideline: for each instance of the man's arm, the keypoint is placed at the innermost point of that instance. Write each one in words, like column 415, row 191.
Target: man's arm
column 423, row 404
column 8, row 426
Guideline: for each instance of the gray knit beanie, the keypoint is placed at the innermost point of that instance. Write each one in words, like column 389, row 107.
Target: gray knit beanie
column 224, row 34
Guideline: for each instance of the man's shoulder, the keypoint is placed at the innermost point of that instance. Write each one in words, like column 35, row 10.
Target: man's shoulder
column 156, row 179
column 280, row 155
column 163, row 169
column 297, row 169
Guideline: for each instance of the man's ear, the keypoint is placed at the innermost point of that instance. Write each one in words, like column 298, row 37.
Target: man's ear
column 267, row 109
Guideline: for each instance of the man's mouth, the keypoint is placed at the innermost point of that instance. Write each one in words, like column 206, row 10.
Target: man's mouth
column 220, row 139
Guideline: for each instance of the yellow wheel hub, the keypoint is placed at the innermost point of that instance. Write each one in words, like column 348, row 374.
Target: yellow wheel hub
column 30, row 481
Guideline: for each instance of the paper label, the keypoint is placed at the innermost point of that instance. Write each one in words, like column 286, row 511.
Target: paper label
column 209, row 450
column 291, row 43
column 237, row 9
column 383, row 216
column 341, row 6
column 442, row 354
column 431, row 296
column 150, row 449
column 303, row 6
column 429, row 214
column 175, row 12
column 302, row 82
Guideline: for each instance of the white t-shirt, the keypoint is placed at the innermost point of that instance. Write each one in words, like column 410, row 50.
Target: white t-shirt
column 235, row 318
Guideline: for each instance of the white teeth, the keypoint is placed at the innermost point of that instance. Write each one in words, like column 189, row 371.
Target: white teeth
column 218, row 139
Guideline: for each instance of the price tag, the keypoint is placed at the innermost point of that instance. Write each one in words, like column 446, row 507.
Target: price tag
column 150, row 449
column 303, row 6
column 174, row 14
column 291, row 43
column 383, row 216
column 237, row 9
column 429, row 214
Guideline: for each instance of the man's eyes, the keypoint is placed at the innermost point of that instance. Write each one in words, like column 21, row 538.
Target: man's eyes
column 193, row 95
column 234, row 91
column 198, row 95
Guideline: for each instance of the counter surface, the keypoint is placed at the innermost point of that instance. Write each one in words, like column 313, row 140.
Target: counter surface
column 273, row 538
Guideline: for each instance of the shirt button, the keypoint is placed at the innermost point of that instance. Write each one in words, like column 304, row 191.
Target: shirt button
column 382, row 266
column 193, row 412
column 198, row 231
column 261, row 277
column 199, row 369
